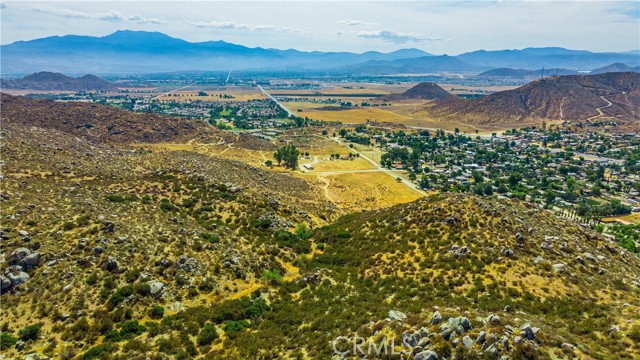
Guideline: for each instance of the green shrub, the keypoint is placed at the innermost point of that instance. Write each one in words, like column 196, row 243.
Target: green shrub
column 7, row 340
column 131, row 329
column 273, row 277
column 207, row 335
column 102, row 351
column 31, row 332
column 157, row 312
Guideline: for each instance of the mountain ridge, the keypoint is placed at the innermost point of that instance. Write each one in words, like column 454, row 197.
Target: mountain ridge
column 46, row 80
column 141, row 51
column 571, row 97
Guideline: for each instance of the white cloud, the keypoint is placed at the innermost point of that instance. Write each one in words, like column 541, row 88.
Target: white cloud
column 354, row 22
column 226, row 25
column 264, row 27
column 397, row 37
column 112, row 15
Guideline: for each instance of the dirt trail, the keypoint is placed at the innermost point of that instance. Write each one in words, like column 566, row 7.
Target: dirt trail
column 599, row 110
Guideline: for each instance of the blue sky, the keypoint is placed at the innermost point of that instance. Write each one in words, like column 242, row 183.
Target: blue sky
column 439, row 27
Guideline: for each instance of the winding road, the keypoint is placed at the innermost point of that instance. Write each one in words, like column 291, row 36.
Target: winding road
column 599, row 109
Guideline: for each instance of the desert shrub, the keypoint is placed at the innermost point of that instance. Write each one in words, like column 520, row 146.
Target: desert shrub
column 31, row 332
column 273, row 277
column 157, row 312
column 102, row 351
column 131, row 329
column 207, row 335
column 7, row 340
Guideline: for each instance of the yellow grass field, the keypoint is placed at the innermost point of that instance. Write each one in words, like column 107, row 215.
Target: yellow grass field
column 239, row 94
column 369, row 190
column 354, row 116
column 324, row 164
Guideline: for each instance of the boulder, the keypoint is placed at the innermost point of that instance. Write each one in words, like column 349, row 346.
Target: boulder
column 108, row 227
column 413, row 339
column 111, row 264
column 526, row 331
column 482, row 336
column 467, row 341
column 590, row 257
column 17, row 255
column 16, row 275
column 460, row 324
column 504, row 342
column 5, row 284
column 507, row 252
column 426, row 355
column 559, row 267
column 156, row 288
column 30, row 261
column 493, row 319
column 436, row 318
column 397, row 315
column 446, row 331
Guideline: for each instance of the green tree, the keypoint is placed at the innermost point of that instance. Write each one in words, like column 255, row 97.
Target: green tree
column 303, row 232
column 288, row 155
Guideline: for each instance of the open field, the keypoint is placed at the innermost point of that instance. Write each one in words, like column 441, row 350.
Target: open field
column 214, row 94
column 366, row 190
column 348, row 116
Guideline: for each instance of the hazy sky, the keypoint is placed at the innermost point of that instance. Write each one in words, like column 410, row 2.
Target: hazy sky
column 438, row 27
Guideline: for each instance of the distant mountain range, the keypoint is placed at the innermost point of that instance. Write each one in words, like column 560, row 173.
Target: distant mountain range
column 45, row 80
column 573, row 97
column 147, row 52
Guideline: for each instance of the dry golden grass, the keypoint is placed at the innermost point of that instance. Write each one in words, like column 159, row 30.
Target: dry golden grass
column 324, row 164
column 367, row 190
column 239, row 94
column 352, row 116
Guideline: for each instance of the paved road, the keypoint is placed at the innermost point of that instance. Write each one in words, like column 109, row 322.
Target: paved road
column 276, row 101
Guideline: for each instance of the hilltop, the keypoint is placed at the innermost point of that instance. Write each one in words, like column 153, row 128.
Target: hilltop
column 422, row 91
column 100, row 122
column 573, row 98
column 48, row 81
column 617, row 67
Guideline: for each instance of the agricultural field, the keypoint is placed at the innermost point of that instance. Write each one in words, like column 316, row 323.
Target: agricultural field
column 229, row 93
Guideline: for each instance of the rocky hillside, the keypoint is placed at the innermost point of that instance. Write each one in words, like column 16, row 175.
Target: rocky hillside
column 49, row 81
column 96, row 235
column 573, row 98
column 100, row 122
column 422, row 91
column 116, row 251
column 470, row 276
